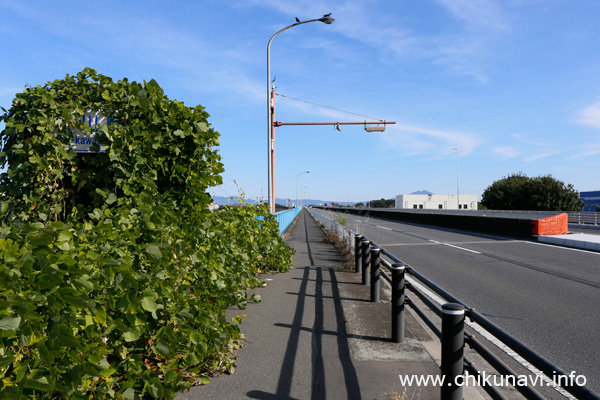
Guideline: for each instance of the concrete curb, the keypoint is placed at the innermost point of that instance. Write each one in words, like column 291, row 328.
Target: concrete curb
column 577, row 240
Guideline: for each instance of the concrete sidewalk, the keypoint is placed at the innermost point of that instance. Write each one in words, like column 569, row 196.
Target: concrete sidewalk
column 315, row 335
column 576, row 240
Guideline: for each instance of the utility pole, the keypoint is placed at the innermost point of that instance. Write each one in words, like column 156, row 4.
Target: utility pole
column 457, row 186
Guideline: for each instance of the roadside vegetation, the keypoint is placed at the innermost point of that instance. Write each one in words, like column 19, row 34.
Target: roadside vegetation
column 331, row 236
column 542, row 193
column 114, row 276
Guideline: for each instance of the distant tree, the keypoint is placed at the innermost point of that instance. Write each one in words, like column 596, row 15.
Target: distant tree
column 359, row 205
column 383, row 203
column 542, row 193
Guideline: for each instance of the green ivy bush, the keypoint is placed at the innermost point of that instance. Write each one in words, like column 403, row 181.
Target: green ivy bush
column 114, row 277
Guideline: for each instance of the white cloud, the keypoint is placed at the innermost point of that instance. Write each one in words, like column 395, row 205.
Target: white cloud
column 530, row 142
column 463, row 49
column 536, row 150
column 506, row 151
column 478, row 15
column 416, row 139
column 590, row 150
column 590, row 115
column 536, row 157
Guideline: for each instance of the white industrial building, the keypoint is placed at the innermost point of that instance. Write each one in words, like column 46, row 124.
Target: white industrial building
column 430, row 201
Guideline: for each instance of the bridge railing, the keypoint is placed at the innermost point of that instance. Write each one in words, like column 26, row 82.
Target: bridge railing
column 285, row 218
column 376, row 264
column 584, row 218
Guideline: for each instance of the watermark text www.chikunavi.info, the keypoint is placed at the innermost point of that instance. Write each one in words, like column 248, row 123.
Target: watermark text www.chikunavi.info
column 485, row 379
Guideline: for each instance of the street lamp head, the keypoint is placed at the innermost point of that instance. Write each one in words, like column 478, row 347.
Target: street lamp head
column 327, row 19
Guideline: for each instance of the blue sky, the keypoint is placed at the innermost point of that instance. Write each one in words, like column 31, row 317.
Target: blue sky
column 513, row 84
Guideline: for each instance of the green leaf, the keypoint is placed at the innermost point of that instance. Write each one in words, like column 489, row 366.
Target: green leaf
column 143, row 99
column 75, row 301
column 111, row 198
column 4, row 361
column 46, row 355
column 191, row 360
column 154, row 251
column 64, row 246
column 255, row 298
column 66, row 337
column 40, row 384
column 65, row 235
column 150, row 305
column 10, row 323
column 196, row 337
column 130, row 394
column 162, row 348
column 202, row 126
column 155, row 388
column 84, row 281
column 43, row 238
column 132, row 334
column 100, row 316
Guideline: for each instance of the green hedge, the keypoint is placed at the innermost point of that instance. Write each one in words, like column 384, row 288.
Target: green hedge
column 114, row 277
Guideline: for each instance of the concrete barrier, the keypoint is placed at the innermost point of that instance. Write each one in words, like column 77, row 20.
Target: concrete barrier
column 509, row 223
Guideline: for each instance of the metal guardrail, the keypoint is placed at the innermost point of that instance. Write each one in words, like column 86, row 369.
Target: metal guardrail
column 584, row 218
column 370, row 263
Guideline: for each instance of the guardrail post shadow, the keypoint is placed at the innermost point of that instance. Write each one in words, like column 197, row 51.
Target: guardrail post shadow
column 357, row 253
column 398, row 284
column 375, row 269
column 453, row 344
column 365, row 261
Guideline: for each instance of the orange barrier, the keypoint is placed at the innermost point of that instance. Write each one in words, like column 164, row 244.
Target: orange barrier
column 556, row 225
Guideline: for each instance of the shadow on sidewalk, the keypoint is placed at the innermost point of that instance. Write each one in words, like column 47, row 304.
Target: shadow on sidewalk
column 326, row 294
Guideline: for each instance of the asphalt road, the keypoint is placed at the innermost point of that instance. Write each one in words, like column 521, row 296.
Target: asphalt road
column 546, row 296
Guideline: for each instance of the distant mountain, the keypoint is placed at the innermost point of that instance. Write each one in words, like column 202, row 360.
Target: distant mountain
column 224, row 200
column 422, row 192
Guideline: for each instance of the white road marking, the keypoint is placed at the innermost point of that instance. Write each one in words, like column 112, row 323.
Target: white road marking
column 383, row 227
column 456, row 247
column 564, row 248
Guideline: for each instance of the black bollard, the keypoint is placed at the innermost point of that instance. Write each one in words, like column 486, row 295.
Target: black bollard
column 398, row 284
column 357, row 253
column 375, row 255
column 365, row 261
column 453, row 345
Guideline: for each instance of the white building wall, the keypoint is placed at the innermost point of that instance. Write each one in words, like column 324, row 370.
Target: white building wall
column 436, row 201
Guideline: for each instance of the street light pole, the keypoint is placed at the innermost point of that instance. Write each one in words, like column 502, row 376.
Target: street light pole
column 297, row 177
column 457, row 186
column 301, row 193
column 327, row 19
column 395, row 191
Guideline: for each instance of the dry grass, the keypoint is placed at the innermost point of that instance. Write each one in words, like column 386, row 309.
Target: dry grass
column 403, row 396
column 331, row 236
